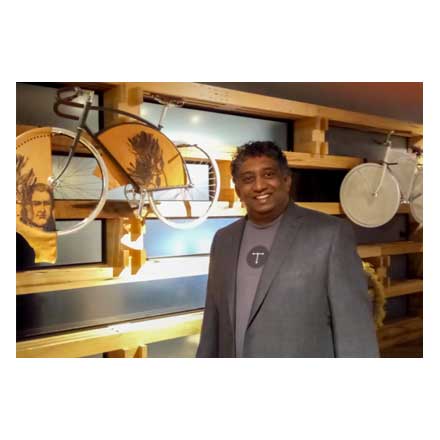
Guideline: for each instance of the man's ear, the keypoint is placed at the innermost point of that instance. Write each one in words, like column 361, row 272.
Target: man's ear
column 288, row 180
column 237, row 191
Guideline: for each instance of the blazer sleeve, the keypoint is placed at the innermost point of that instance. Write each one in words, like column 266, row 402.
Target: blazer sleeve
column 208, row 346
column 354, row 333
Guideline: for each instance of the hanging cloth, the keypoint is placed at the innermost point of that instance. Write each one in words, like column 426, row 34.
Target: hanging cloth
column 35, row 219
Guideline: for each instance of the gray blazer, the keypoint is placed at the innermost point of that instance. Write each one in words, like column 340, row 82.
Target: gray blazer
column 312, row 298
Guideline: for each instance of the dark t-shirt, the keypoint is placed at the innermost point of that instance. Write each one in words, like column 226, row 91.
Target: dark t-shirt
column 254, row 252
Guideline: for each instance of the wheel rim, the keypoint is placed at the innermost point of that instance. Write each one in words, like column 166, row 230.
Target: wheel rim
column 358, row 202
column 193, row 203
column 77, row 183
column 416, row 199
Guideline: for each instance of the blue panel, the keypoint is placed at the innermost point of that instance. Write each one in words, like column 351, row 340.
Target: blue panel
column 48, row 312
column 161, row 240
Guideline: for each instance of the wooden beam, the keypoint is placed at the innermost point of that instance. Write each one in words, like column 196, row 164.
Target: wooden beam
column 317, row 161
column 111, row 338
column 391, row 248
column 401, row 247
column 115, row 255
column 369, row 250
column 71, row 209
column 309, row 136
column 400, row 331
column 126, row 97
column 403, row 287
column 252, row 104
column 136, row 352
column 33, row 280
column 59, row 279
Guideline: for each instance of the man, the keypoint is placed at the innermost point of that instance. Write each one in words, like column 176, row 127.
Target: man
column 38, row 208
column 284, row 281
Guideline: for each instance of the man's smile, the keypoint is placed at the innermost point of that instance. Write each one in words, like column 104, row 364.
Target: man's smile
column 262, row 197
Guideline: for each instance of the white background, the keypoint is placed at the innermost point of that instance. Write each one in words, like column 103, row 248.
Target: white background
column 223, row 399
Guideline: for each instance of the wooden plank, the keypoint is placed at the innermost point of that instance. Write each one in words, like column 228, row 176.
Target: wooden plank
column 401, row 247
column 405, row 287
column 110, row 338
column 136, row 352
column 369, row 250
column 28, row 280
column 408, row 349
column 116, row 256
column 317, row 161
column 154, row 269
column 71, row 209
column 391, row 248
column 399, row 331
column 126, row 97
column 253, row 104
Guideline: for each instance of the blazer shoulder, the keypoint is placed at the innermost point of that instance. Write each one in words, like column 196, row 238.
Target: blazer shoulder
column 234, row 228
column 316, row 218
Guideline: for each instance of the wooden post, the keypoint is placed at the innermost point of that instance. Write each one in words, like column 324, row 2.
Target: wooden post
column 136, row 352
column 126, row 97
column 137, row 256
column 116, row 255
column 227, row 191
column 382, row 266
column 416, row 142
column 309, row 135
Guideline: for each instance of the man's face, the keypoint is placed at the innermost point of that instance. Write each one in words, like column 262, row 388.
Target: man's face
column 41, row 208
column 263, row 188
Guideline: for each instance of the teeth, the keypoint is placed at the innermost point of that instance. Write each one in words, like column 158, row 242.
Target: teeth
column 262, row 197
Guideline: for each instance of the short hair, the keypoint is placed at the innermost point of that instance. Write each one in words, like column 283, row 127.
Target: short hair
column 40, row 187
column 258, row 149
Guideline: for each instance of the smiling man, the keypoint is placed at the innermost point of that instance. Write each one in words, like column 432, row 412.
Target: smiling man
column 284, row 281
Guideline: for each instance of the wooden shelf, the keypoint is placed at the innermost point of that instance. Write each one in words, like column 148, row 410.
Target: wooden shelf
column 57, row 279
column 71, row 209
column 400, row 331
column 316, row 161
column 211, row 97
column 404, row 287
column 392, row 248
column 110, row 338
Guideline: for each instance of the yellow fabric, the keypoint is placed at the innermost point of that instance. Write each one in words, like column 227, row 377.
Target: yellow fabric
column 378, row 295
column 146, row 154
column 34, row 197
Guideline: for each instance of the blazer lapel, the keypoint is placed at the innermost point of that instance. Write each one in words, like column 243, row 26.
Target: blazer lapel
column 283, row 242
column 230, row 267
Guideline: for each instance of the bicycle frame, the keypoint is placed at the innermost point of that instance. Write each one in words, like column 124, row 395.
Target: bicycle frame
column 387, row 143
column 386, row 166
column 83, row 127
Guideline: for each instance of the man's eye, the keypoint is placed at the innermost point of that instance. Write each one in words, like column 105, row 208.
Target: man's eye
column 247, row 179
column 270, row 174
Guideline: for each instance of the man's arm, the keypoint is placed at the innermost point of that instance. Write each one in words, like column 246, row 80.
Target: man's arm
column 354, row 333
column 208, row 346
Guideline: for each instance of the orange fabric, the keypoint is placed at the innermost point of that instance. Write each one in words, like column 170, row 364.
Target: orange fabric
column 35, row 219
column 147, row 155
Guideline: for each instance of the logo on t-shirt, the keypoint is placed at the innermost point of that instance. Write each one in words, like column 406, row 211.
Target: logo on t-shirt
column 257, row 256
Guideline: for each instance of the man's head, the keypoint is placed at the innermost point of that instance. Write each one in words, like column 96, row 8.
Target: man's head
column 262, row 180
column 40, row 205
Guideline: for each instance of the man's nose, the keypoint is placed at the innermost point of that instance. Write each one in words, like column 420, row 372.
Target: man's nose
column 259, row 184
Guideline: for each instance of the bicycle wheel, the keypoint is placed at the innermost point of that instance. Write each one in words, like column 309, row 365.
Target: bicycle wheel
column 78, row 194
column 358, row 201
column 185, row 208
column 416, row 198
